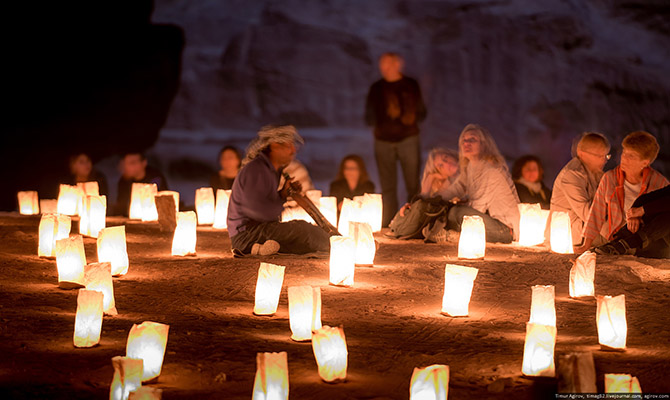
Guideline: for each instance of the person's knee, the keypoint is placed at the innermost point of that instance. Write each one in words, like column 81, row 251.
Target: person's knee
column 455, row 214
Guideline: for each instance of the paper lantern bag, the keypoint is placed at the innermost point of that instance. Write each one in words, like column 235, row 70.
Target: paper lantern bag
column 431, row 382
column 268, row 288
column 70, row 262
column 271, row 381
column 330, row 350
column 112, row 248
column 88, row 319
column 127, row 377
column 304, row 309
column 98, row 276
column 582, row 274
column 472, row 242
column 147, row 341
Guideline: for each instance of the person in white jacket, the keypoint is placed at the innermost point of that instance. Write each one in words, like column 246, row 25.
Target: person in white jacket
column 484, row 187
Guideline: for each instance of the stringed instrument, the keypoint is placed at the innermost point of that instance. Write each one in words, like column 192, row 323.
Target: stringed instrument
column 310, row 208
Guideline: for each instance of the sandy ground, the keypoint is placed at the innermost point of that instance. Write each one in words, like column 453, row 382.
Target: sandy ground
column 391, row 319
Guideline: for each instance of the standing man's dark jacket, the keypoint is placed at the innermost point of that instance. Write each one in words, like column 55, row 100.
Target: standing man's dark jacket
column 385, row 99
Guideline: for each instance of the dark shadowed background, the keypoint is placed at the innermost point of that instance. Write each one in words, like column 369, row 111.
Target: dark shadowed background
column 181, row 78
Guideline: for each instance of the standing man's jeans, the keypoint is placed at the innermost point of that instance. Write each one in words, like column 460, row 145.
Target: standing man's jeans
column 387, row 154
column 496, row 231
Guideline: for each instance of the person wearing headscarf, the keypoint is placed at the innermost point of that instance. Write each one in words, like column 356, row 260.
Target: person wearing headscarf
column 256, row 204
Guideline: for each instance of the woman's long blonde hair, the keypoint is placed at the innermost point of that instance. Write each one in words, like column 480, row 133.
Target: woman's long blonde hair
column 430, row 163
column 488, row 150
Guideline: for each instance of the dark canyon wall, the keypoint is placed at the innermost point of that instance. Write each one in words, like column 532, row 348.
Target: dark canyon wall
column 95, row 76
column 535, row 72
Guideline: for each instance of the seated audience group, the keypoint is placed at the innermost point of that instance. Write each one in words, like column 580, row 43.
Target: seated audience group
column 621, row 211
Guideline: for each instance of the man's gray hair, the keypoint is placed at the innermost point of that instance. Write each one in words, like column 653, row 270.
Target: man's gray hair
column 271, row 134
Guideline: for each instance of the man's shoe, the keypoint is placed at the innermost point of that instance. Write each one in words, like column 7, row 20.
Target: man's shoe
column 265, row 249
column 605, row 250
column 616, row 248
column 436, row 234
column 453, row 236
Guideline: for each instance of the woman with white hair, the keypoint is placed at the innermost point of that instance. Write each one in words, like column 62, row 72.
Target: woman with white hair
column 484, row 187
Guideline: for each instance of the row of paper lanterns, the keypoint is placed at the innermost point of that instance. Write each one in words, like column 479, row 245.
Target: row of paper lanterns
column 210, row 209
column 540, row 340
column 213, row 211
column 146, row 343
column 366, row 208
column 84, row 200
column 538, row 358
column 533, row 224
column 432, row 382
column 271, row 381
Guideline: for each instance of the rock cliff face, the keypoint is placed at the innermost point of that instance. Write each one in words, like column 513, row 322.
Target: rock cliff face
column 535, row 73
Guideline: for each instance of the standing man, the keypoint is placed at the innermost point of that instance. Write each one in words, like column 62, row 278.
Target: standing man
column 394, row 107
column 256, row 201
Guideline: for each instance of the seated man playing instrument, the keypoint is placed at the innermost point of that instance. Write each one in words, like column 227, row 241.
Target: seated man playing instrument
column 256, row 204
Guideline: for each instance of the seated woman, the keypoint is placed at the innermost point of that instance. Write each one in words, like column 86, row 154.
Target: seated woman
column 528, row 175
column 620, row 186
column 230, row 161
column 647, row 231
column 351, row 180
column 439, row 173
column 81, row 170
column 483, row 188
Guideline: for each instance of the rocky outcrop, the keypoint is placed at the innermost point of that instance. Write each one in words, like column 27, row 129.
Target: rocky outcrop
column 535, row 73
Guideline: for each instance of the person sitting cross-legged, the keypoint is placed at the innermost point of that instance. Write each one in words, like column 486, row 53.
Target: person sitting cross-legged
column 484, row 187
column 647, row 231
column 256, row 204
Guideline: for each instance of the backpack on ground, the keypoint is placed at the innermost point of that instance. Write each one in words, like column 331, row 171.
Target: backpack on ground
column 421, row 213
